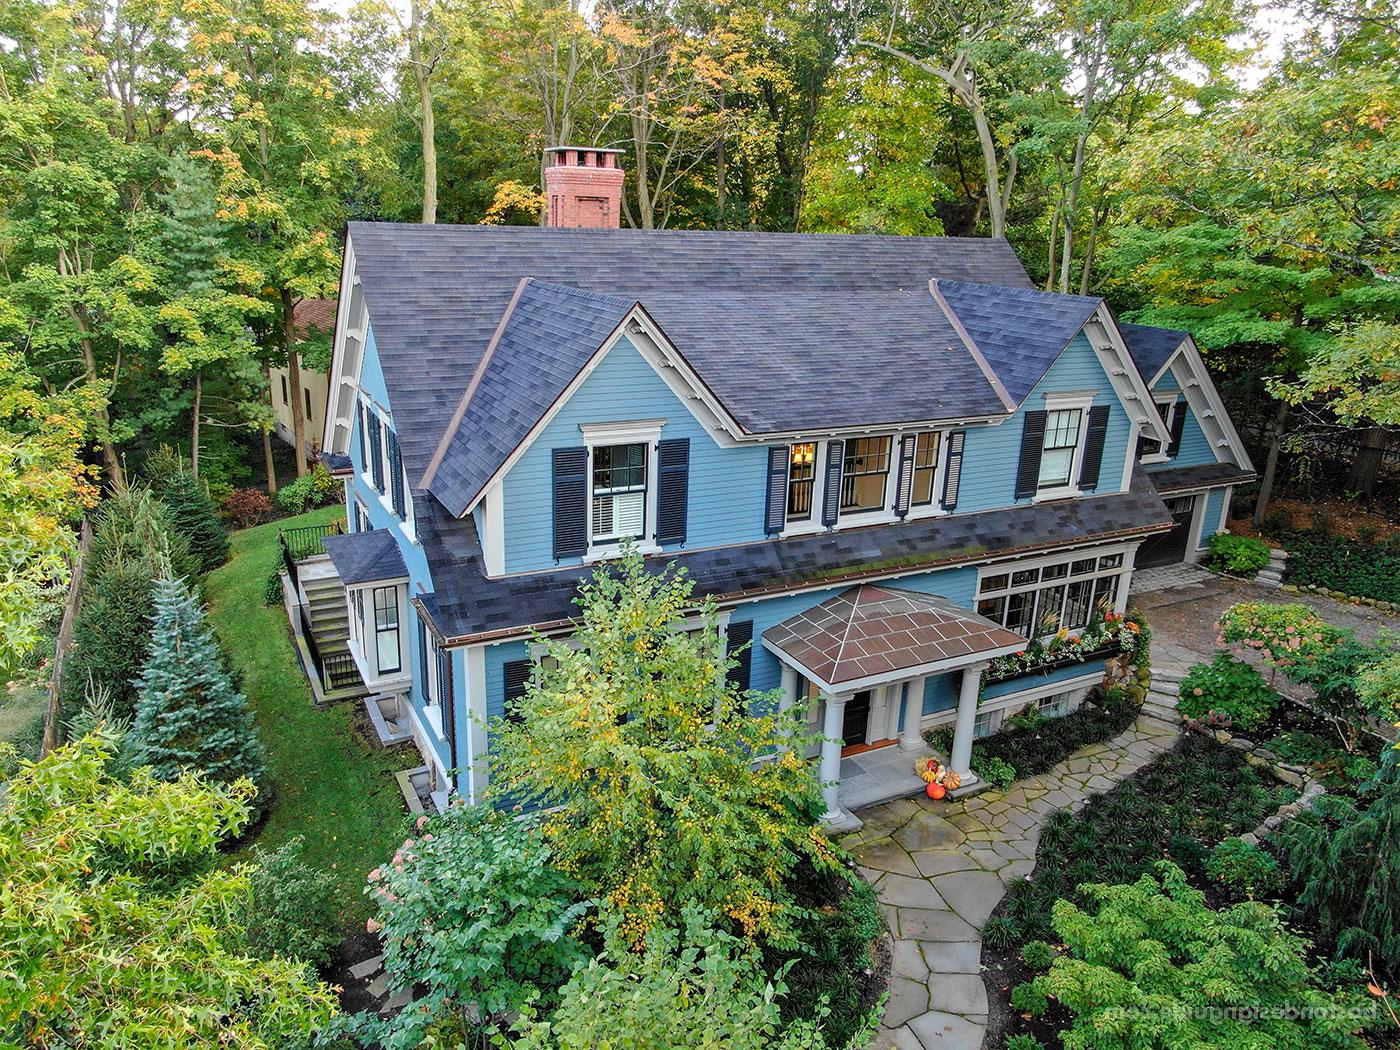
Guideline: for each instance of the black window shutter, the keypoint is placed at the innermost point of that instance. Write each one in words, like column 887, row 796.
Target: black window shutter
column 423, row 659
column 1093, row 448
column 1178, row 427
column 952, row 474
column 396, row 476
column 449, row 706
column 904, row 487
column 831, row 488
column 775, row 506
column 1032, row 445
column 570, row 502
column 517, row 673
column 360, row 431
column 740, row 635
column 672, row 489
column 376, row 444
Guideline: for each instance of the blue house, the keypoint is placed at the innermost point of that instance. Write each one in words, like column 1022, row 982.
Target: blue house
column 890, row 460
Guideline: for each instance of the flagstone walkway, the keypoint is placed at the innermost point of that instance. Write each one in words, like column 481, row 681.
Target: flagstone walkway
column 940, row 868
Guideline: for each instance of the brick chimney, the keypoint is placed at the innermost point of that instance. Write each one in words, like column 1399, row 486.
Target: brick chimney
column 583, row 187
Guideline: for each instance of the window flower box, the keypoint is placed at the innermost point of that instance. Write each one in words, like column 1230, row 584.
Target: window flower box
column 1111, row 636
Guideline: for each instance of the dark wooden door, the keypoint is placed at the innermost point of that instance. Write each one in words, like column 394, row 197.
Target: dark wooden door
column 1169, row 548
column 857, row 719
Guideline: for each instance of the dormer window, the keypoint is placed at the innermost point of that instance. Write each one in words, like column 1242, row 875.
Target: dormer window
column 619, row 492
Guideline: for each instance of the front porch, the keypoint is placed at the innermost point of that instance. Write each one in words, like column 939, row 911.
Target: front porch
column 870, row 654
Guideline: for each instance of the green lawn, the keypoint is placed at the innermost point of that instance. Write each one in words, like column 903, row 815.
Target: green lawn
column 332, row 786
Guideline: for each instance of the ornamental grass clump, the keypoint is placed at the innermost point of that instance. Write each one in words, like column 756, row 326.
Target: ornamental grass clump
column 641, row 750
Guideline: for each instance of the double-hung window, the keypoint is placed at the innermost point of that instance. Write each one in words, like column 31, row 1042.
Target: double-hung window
column 386, row 630
column 802, row 472
column 865, row 473
column 619, row 491
column 925, row 468
column 1044, row 598
column 1061, row 439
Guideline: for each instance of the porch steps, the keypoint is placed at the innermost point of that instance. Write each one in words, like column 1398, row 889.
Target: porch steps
column 1160, row 702
column 1271, row 575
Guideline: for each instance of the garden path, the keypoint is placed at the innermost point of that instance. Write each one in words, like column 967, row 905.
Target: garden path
column 940, row 868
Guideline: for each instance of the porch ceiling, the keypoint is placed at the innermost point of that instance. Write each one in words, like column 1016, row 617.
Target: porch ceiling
column 872, row 633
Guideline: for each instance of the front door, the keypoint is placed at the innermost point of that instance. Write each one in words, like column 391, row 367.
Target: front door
column 857, row 720
column 1169, row 548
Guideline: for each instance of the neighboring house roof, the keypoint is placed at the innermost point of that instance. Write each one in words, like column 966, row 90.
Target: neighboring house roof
column 1204, row 475
column 313, row 315
column 548, row 333
column 365, row 557
column 872, row 630
column 789, row 332
column 1150, row 347
column 1020, row 331
column 468, row 605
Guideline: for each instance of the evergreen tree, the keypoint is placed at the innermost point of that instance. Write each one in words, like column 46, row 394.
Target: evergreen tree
column 188, row 713
column 191, row 508
column 134, row 523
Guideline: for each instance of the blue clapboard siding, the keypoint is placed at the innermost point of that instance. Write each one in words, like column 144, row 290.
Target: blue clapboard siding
column 726, row 488
column 992, row 453
column 1195, row 448
column 941, row 693
column 1210, row 524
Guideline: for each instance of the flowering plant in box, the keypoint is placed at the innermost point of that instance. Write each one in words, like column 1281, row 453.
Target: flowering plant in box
column 1109, row 633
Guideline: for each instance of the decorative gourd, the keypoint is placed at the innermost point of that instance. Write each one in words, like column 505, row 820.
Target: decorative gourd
column 926, row 769
column 951, row 780
column 935, row 790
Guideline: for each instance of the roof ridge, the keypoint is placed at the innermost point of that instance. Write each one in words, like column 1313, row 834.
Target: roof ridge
column 472, row 384
column 1044, row 293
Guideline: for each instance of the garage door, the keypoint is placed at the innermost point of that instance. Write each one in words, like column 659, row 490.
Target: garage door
column 1170, row 548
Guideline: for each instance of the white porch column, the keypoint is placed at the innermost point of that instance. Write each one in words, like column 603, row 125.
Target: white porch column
column 961, row 758
column 910, row 737
column 787, row 685
column 830, row 771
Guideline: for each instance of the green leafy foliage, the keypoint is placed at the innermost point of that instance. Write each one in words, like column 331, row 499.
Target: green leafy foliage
column 293, row 910
column 1342, row 564
column 473, row 908
column 119, row 926
column 701, row 989
column 1022, row 1041
column 1237, row 555
column 192, row 512
column 1230, row 690
column 314, row 489
column 188, row 713
column 642, row 752
column 1149, row 964
column 1037, row 955
column 1027, row 998
column 997, row 772
column 1244, row 869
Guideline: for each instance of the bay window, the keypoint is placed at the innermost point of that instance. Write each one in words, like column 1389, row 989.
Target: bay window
column 619, row 499
column 865, row 470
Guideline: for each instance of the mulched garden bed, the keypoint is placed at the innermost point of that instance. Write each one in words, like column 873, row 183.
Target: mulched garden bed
column 1299, row 736
column 1174, row 808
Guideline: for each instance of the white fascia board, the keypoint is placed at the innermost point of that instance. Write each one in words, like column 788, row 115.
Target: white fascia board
column 349, row 283
column 1123, row 375
column 1203, row 398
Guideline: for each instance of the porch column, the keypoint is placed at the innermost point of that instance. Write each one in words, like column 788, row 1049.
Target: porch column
column 830, row 771
column 787, row 691
column 910, row 737
column 961, row 758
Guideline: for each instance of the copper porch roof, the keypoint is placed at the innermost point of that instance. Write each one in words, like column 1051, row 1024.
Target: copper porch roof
column 872, row 630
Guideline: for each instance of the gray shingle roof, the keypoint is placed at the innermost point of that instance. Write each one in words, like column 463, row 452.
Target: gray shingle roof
column 468, row 605
column 364, row 557
column 782, row 327
column 549, row 335
column 1150, row 347
column 1179, row 479
column 1020, row 331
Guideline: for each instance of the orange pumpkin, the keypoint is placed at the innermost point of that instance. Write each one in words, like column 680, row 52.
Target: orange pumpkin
column 935, row 791
column 951, row 780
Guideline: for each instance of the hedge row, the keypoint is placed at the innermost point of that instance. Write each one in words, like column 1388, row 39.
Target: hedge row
column 1340, row 564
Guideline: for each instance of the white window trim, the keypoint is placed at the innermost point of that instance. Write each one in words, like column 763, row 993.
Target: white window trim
column 634, row 432
column 385, row 498
column 934, row 508
column 362, row 633
column 1123, row 572
column 1060, row 403
column 1171, row 400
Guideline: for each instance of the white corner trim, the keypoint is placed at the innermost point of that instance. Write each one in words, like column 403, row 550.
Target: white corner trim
column 493, row 543
column 474, row 688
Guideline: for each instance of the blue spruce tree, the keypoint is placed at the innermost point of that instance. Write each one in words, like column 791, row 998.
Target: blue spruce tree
column 188, row 713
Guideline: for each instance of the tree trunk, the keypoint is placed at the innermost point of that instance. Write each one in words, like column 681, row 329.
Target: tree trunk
column 719, row 184
column 268, row 465
column 1050, row 248
column 289, row 339
column 1266, row 483
column 1085, row 274
column 422, row 78
column 194, row 423
column 1367, row 464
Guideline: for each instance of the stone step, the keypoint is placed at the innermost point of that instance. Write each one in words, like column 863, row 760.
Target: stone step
column 1161, row 699
column 1167, row 674
column 1161, row 711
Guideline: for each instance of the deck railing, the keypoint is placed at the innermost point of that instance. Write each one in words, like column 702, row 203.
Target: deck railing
column 304, row 542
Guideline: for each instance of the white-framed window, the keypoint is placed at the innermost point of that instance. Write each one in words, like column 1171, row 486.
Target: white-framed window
column 1062, row 427
column 802, row 478
column 865, row 474
column 1041, row 598
column 1166, row 408
column 985, row 724
column 619, row 492
column 387, row 650
column 1053, row 706
column 926, row 448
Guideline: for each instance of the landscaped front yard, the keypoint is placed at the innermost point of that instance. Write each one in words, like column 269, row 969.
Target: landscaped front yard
column 331, row 785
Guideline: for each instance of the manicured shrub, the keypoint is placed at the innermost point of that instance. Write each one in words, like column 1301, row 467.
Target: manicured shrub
column 248, row 507
column 293, row 911
column 1029, row 999
column 1244, row 869
column 189, row 715
column 1237, row 555
column 1230, row 689
column 1154, row 943
column 474, row 911
column 1037, row 955
column 1338, row 563
column 192, row 511
column 1022, row 1042
column 315, row 488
